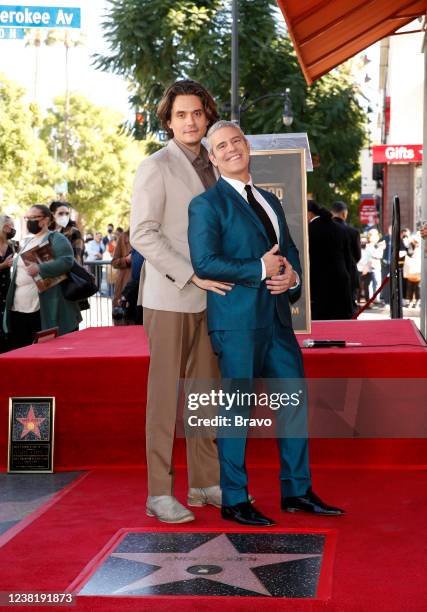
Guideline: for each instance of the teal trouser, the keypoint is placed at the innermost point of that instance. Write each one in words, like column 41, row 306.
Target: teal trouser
column 270, row 353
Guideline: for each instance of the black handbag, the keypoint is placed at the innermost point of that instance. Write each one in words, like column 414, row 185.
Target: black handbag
column 79, row 285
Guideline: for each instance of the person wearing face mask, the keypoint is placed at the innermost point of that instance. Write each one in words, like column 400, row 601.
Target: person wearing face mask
column 7, row 250
column 26, row 310
column 62, row 222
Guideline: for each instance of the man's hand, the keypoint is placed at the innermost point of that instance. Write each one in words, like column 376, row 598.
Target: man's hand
column 212, row 285
column 33, row 269
column 282, row 282
column 272, row 262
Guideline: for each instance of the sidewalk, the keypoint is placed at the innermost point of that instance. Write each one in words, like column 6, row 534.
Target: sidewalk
column 383, row 312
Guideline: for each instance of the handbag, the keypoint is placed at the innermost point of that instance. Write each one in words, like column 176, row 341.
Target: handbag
column 79, row 285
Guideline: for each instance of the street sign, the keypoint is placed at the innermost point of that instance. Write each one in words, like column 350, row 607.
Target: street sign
column 368, row 213
column 12, row 34
column 39, row 17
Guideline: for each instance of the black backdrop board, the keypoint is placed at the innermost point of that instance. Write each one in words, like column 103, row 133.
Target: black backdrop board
column 283, row 172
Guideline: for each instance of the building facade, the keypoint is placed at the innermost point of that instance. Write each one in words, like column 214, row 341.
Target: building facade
column 397, row 159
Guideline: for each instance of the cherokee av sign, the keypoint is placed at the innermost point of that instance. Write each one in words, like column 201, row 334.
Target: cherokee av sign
column 397, row 154
column 39, row 17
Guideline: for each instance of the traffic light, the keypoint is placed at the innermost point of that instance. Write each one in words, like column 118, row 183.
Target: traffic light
column 139, row 126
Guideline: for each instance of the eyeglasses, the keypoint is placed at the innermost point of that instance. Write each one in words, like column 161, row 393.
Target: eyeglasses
column 63, row 214
column 34, row 218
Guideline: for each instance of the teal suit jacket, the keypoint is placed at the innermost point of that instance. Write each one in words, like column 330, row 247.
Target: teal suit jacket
column 227, row 241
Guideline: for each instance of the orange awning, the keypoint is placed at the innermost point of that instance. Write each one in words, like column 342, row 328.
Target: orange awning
column 325, row 33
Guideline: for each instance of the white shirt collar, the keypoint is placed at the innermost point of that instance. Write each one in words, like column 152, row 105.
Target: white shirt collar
column 239, row 185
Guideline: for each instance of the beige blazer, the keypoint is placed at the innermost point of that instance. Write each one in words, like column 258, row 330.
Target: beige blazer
column 165, row 183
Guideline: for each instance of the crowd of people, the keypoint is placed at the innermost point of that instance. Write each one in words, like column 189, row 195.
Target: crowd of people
column 29, row 303
column 348, row 268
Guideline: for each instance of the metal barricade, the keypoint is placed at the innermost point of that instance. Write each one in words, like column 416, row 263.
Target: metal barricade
column 99, row 313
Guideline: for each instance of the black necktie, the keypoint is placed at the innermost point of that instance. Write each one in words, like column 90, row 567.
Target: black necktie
column 262, row 215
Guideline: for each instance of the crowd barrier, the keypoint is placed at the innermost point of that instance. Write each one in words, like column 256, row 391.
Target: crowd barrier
column 99, row 313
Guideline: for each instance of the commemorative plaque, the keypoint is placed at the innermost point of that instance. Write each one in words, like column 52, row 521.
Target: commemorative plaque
column 283, row 172
column 31, row 434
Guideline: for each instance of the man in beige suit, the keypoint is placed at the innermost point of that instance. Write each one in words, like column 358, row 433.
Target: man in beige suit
column 173, row 297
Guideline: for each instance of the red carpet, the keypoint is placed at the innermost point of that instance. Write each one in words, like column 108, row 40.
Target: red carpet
column 99, row 377
column 380, row 562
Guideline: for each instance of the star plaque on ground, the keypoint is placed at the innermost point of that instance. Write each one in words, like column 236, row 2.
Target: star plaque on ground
column 31, row 431
column 248, row 564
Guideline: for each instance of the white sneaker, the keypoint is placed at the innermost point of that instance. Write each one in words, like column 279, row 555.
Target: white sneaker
column 167, row 509
column 204, row 496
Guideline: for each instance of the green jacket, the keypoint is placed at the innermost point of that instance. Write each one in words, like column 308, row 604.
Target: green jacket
column 55, row 310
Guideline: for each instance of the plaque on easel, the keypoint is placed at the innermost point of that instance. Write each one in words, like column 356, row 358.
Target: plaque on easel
column 31, row 434
column 278, row 164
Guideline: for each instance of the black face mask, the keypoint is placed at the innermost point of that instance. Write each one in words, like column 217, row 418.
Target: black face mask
column 33, row 226
column 10, row 234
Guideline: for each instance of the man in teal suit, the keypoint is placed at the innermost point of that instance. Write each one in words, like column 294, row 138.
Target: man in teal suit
column 238, row 234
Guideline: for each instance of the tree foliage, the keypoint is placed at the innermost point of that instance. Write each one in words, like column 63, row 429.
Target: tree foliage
column 154, row 42
column 27, row 172
column 100, row 159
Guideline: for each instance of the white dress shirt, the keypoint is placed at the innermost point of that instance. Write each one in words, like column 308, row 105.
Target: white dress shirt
column 26, row 298
column 94, row 248
column 239, row 186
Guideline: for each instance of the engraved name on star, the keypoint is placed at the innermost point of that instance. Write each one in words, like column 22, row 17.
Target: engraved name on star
column 31, row 423
column 231, row 567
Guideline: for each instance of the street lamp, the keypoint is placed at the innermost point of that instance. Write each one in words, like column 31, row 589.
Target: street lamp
column 288, row 115
column 235, row 108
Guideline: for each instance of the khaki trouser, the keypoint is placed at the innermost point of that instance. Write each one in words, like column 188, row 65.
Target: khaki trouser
column 179, row 348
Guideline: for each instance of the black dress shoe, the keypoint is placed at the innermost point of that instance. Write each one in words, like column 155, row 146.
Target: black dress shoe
column 245, row 514
column 309, row 502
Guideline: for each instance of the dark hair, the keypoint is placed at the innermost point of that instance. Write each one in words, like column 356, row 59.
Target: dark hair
column 185, row 88
column 44, row 210
column 317, row 210
column 53, row 208
column 57, row 204
column 339, row 207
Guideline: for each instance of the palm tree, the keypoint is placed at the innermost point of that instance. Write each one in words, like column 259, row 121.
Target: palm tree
column 35, row 37
column 69, row 39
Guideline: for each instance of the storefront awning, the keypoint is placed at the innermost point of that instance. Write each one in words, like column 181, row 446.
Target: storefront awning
column 325, row 33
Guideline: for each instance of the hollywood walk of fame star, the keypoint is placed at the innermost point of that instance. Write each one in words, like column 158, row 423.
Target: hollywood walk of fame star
column 31, row 423
column 217, row 560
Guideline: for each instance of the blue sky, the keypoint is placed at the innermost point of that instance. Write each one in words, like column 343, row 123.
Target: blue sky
column 18, row 61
